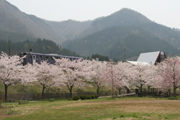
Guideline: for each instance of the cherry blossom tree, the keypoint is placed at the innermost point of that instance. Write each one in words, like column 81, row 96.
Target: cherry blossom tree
column 47, row 75
column 122, row 69
column 141, row 75
column 74, row 72
column 116, row 75
column 169, row 71
column 111, row 76
column 153, row 77
column 28, row 74
column 96, row 71
column 11, row 71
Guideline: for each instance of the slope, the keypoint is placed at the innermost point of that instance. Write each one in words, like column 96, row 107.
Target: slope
column 13, row 20
column 112, row 41
column 123, row 17
column 70, row 28
column 128, row 17
column 39, row 46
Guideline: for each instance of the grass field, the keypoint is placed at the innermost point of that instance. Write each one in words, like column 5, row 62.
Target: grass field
column 130, row 108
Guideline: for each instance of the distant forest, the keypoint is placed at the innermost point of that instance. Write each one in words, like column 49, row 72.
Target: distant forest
column 39, row 46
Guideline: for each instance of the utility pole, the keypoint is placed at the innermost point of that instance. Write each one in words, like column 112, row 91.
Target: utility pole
column 124, row 54
column 30, row 53
column 112, row 77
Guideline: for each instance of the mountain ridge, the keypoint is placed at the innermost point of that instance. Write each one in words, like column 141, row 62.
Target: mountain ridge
column 113, row 40
column 110, row 33
column 13, row 20
column 103, row 34
column 69, row 28
column 113, row 20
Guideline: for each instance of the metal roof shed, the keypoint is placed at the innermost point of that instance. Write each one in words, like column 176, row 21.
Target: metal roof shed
column 152, row 57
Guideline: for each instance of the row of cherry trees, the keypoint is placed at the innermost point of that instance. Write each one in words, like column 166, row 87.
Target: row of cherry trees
column 116, row 76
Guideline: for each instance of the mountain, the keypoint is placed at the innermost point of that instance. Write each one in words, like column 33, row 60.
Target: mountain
column 109, row 36
column 125, row 29
column 113, row 40
column 128, row 17
column 70, row 29
column 125, row 17
column 14, row 21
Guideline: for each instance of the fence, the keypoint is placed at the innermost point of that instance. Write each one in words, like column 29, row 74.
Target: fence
column 147, row 92
column 37, row 96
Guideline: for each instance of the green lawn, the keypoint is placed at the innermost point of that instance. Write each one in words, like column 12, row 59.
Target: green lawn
column 130, row 108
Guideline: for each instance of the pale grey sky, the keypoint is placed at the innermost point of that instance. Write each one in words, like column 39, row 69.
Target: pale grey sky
column 166, row 12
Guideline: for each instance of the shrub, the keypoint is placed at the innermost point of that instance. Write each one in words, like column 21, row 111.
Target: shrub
column 82, row 97
column 92, row 96
column 88, row 97
column 96, row 96
column 121, row 115
column 75, row 98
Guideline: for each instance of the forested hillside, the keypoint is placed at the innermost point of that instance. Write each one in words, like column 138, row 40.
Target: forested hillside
column 129, row 18
column 123, row 17
column 15, row 36
column 112, row 42
column 125, row 33
column 39, row 46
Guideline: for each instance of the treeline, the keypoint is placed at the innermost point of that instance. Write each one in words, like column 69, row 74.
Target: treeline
column 40, row 46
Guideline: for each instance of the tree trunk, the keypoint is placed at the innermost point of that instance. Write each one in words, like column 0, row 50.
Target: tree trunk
column 148, row 89
column 6, row 87
column 43, row 91
column 174, row 90
column 141, row 90
column 97, row 90
column 169, row 92
column 116, row 93
column 70, row 90
column 119, row 91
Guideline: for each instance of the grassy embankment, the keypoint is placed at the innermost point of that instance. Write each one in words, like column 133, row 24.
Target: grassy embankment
column 37, row 88
column 128, row 108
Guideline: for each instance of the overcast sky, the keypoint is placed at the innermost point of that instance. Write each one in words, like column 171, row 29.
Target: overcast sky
column 166, row 12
